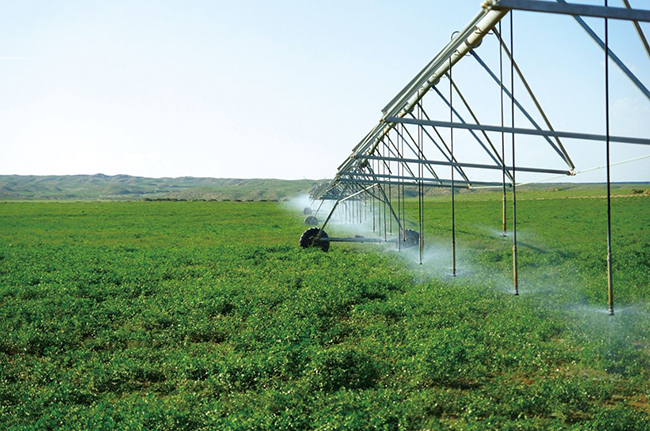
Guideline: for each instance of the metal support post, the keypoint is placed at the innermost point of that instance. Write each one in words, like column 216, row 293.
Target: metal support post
column 420, row 189
column 403, row 229
column 515, row 269
column 360, row 206
column 399, row 197
column 384, row 171
column 503, row 136
column 453, row 190
column 610, row 286
column 373, row 206
column 390, row 202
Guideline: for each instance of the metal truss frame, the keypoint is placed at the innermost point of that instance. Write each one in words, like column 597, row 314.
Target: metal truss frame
column 405, row 150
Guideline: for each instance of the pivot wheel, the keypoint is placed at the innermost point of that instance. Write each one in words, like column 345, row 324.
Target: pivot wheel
column 311, row 221
column 310, row 238
column 307, row 211
column 411, row 238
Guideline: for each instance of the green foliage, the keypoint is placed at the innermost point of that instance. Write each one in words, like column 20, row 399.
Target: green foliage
column 342, row 367
column 204, row 315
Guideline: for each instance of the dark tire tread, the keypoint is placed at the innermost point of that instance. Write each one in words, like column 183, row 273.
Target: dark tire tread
column 309, row 239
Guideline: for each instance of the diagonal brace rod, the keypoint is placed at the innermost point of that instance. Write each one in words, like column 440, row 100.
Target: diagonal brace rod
column 471, row 112
column 639, row 31
column 524, row 81
column 460, row 171
column 496, row 160
column 521, row 108
column 611, row 54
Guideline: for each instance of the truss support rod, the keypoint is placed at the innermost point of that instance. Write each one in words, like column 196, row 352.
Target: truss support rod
column 438, row 146
column 396, row 177
column 465, row 41
column 428, row 182
column 521, row 131
column 373, row 195
column 383, row 194
column 373, row 133
column 462, row 121
column 419, row 152
column 399, row 155
column 319, row 207
column 363, row 190
column 639, row 31
column 329, row 216
column 573, row 9
column 378, row 152
column 420, row 78
column 521, row 108
column 613, row 56
column 374, row 148
column 474, row 117
column 413, row 183
column 472, row 165
column 524, row 81
column 460, row 171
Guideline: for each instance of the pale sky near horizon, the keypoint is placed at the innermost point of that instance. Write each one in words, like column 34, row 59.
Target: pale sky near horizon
column 283, row 89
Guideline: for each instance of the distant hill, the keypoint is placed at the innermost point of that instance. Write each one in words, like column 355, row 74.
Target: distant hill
column 126, row 187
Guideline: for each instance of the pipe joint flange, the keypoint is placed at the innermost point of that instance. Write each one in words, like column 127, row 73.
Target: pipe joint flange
column 477, row 33
column 489, row 4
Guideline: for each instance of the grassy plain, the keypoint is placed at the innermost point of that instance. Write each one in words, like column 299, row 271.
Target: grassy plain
column 207, row 315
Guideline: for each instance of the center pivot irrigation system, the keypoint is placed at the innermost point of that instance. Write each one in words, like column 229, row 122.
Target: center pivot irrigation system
column 409, row 151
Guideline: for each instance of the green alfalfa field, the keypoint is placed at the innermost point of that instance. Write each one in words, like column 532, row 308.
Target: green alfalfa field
column 207, row 315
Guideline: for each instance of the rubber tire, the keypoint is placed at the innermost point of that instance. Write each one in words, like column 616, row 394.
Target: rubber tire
column 311, row 221
column 307, row 211
column 411, row 238
column 308, row 239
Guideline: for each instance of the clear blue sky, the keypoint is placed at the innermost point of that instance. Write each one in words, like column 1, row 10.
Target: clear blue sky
column 280, row 89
